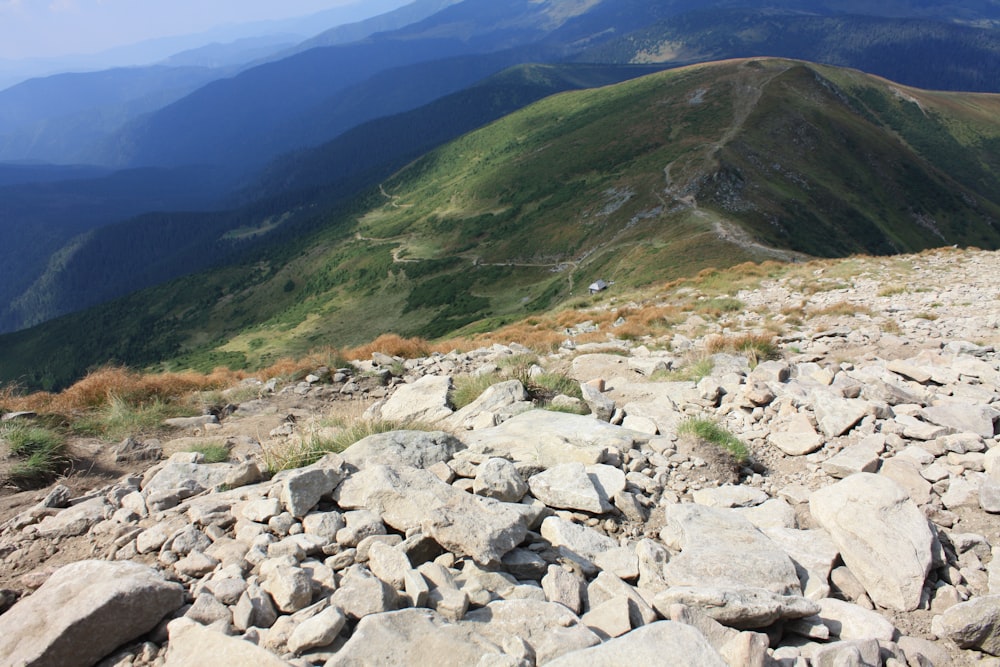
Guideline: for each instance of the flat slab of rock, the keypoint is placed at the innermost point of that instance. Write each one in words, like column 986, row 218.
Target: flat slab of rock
column 963, row 418
column 549, row 438
column 408, row 498
column 847, row 620
column 882, row 535
column 84, row 612
column 578, row 487
column 412, row 637
column 193, row 645
column 836, row 416
column 721, row 549
column 743, row 609
column 417, row 449
column 649, row 645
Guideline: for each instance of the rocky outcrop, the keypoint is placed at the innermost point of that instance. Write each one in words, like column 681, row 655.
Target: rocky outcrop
column 859, row 531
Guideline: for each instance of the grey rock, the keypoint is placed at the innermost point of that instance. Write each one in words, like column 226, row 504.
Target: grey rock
column 320, row 630
column 133, row 450
column 973, row 624
column 963, row 418
column 361, row 593
column 709, row 537
column 407, row 499
column 550, row 629
column 207, row 609
column 648, row 645
column 861, row 653
column 389, row 564
column 255, row 609
column 600, row 404
column 75, row 520
column 836, row 416
column 191, row 422
column 989, row 495
column 300, row 490
column 772, row 513
column 847, row 620
column 882, row 536
column 487, row 409
column 814, row 555
column 579, row 543
column 424, row 400
column 417, row 449
column 746, row 608
column 863, row 457
column 499, row 479
column 412, row 637
column 795, row 436
column 906, row 472
column 550, row 438
column 564, row 587
column 568, row 486
column 325, row 525
column 608, row 587
column 290, row 587
column 729, row 496
column 84, row 611
column 192, row 645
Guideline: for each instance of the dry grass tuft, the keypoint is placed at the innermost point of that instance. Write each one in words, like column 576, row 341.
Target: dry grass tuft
column 841, row 309
column 756, row 347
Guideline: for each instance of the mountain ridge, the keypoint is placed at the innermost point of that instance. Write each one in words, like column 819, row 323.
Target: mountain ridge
column 518, row 216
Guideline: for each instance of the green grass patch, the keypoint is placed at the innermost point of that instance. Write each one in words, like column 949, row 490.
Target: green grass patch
column 707, row 430
column 467, row 388
column 691, row 372
column 121, row 418
column 213, row 452
column 555, row 384
column 40, row 450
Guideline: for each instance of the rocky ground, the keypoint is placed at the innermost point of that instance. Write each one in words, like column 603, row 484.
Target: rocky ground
column 861, row 531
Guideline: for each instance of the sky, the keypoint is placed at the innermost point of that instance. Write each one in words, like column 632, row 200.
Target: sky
column 51, row 28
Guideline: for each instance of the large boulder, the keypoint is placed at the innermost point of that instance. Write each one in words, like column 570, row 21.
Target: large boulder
column 409, row 499
column 85, row 611
column 882, row 535
column 549, row 628
column 417, row 449
column 578, row 487
column 974, row 624
column 424, row 400
column 549, row 438
column 721, row 549
column 503, row 398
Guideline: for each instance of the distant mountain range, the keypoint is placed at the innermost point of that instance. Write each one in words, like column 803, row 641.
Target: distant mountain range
column 169, row 170
column 644, row 181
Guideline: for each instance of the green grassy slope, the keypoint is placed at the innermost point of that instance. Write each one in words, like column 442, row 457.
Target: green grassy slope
column 643, row 181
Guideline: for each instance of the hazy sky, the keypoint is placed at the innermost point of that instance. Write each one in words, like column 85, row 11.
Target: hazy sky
column 34, row 28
